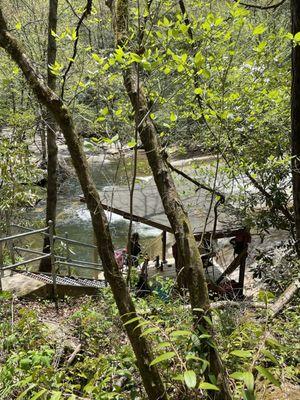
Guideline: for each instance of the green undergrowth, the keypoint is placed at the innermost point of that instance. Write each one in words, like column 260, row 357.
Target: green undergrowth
column 37, row 347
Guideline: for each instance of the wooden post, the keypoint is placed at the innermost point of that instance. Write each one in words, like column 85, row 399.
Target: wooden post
column 52, row 260
column 233, row 266
column 164, row 246
column 1, row 265
column 242, row 275
column 68, row 253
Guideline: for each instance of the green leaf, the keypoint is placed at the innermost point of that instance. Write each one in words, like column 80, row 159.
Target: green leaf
column 184, row 58
column 162, row 345
column 89, row 145
column 38, row 394
column 173, row 117
column 119, row 54
column 89, row 387
column 193, row 357
column 179, row 378
column 73, row 35
column 260, row 48
column 199, row 59
column 100, row 119
column 190, row 378
column 56, row 396
column 135, row 57
column 267, row 374
column 259, row 30
column 130, row 321
column 23, row 394
column 97, row 58
column 269, row 355
column 198, row 91
column 18, row 26
column 132, row 143
column 265, row 295
column 180, row 333
column 246, row 377
column 54, row 34
column 143, row 323
column 242, row 353
column 149, row 331
column 208, row 320
column 273, row 343
column 204, row 336
column 208, row 386
column 105, row 111
column 163, row 357
column 297, row 37
column 115, row 138
column 25, row 363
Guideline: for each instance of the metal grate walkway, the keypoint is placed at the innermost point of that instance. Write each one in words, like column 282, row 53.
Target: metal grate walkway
column 64, row 280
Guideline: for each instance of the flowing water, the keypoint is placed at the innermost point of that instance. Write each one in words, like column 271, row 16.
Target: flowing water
column 74, row 219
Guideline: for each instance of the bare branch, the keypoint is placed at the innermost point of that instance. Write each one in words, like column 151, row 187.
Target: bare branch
column 85, row 14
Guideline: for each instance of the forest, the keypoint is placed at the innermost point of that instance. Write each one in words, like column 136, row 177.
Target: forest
column 149, row 199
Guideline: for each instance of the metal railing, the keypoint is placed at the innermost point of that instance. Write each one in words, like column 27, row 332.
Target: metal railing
column 55, row 260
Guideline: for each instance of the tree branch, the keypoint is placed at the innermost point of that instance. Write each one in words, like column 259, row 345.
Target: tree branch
column 198, row 184
column 85, row 14
column 274, row 6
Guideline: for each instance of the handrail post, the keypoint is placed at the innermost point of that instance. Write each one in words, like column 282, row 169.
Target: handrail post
column 242, row 275
column 164, row 246
column 68, row 253
column 52, row 260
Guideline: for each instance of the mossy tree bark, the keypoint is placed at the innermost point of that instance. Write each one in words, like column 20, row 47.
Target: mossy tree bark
column 45, row 264
column 173, row 206
column 295, row 117
column 151, row 378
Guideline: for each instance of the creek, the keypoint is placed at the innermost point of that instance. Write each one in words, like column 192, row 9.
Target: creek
column 73, row 216
column 74, row 219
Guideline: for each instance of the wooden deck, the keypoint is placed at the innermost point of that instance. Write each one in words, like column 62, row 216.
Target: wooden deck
column 169, row 271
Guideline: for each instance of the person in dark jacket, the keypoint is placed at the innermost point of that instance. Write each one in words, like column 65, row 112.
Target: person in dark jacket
column 135, row 245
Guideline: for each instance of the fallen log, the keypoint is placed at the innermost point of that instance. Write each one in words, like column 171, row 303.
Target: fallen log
column 73, row 355
column 285, row 297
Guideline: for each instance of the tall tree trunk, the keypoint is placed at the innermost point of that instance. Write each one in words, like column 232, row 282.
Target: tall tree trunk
column 295, row 115
column 173, row 206
column 150, row 375
column 51, row 134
